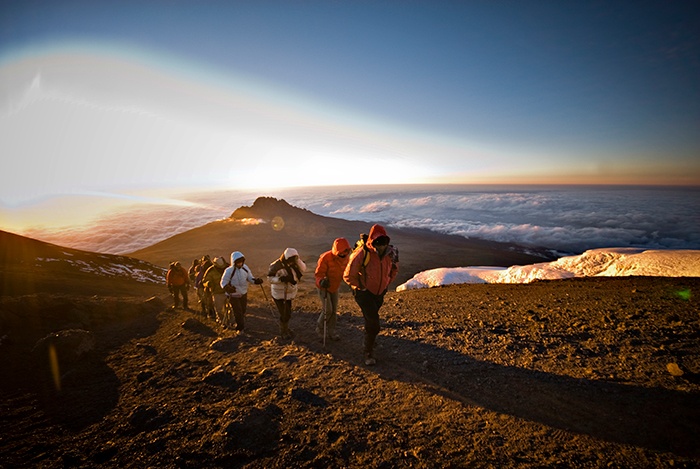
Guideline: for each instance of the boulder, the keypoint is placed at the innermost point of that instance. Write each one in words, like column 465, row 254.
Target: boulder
column 68, row 345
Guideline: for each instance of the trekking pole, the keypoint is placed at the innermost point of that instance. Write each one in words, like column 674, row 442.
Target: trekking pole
column 272, row 311
column 325, row 315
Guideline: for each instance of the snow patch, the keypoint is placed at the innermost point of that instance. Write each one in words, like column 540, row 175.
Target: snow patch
column 607, row 262
column 144, row 274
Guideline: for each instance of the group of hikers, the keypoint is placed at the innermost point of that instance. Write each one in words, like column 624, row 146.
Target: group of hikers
column 222, row 287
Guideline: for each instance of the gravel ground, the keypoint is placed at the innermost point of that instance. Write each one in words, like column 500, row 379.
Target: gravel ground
column 598, row 372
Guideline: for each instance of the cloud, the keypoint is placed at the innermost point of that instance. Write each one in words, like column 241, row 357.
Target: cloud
column 565, row 219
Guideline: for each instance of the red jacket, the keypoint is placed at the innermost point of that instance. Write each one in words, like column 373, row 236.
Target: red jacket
column 332, row 266
column 177, row 275
column 378, row 273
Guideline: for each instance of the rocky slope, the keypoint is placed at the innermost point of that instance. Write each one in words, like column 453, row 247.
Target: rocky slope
column 28, row 266
column 599, row 372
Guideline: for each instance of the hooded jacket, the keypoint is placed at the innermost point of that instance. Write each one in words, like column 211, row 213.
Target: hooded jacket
column 212, row 277
column 239, row 278
column 331, row 266
column 281, row 268
column 379, row 271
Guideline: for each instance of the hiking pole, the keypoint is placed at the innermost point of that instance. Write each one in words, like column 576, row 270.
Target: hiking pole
column 325, row 315
column 272, row 311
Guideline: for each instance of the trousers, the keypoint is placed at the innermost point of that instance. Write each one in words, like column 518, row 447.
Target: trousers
column 369, row 304
column 239, row 304
column 285, row 309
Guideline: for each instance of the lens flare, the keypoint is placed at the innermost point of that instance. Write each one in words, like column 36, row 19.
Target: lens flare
column 55, row 372
column 278, row 223
column 684, row 294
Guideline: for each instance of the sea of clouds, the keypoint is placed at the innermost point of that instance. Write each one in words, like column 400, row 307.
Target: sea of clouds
column 567, row 220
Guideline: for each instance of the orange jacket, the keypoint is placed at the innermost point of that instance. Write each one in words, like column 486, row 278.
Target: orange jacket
column 379, row 271
column 331, row 266
column 177, row 275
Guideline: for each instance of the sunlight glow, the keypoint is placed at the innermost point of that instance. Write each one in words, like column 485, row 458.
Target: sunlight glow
column 90, row 129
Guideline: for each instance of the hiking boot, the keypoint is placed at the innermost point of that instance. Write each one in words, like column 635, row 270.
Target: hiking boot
column 285, row 331
column 369, row 359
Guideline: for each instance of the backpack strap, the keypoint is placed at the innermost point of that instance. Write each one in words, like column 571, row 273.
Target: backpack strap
column 363, row 266
column 234, row 272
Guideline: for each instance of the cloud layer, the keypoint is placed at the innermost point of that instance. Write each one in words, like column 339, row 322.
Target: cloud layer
column 566, row 220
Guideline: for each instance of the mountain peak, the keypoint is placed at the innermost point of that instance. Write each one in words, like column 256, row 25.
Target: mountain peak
column 268, row 208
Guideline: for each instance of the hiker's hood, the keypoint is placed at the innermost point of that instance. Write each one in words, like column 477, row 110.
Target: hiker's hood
column 377, row 231
column 235, row 255
column 220, row 262
column 340, row 245
column 290, row 252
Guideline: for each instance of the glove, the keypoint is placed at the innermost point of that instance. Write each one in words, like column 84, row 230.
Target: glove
column 324, row 283
column 286, row 278
column 257, row 281
column 230, row 289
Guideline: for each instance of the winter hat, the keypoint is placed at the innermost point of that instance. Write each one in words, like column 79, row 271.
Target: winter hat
column 290, row 252
column 219, row 261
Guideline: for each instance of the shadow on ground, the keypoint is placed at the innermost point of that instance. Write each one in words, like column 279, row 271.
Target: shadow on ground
column 650, row 417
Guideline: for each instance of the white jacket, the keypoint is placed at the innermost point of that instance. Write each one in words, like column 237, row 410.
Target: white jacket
column 239, row 278
column 279, row 289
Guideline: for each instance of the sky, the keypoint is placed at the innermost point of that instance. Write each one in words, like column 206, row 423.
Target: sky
column 103, row 103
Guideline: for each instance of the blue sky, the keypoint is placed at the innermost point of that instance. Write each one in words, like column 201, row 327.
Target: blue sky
column 107, row 98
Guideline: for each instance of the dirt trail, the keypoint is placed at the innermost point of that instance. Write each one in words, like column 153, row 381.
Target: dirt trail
column 569, row 374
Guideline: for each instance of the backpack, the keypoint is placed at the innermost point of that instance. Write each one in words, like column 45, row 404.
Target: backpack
column 362, row 244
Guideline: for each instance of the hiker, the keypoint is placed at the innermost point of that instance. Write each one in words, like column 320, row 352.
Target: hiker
column 235, row 283
column 212, row 285
column 194, row 269
column 205, row 299
column 329, row 275
column 370, row 270
column 178, row 283
column 284, row 274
